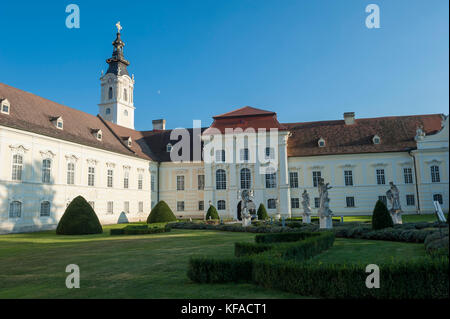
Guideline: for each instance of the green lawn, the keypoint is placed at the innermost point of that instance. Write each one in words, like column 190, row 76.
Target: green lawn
column 147, row 266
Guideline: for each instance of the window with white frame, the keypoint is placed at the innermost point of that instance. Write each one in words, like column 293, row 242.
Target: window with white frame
column 70, row 173
column 201, row 205
column 110, row 207
column 220, row 156
column 407, row 174
column 126, row 207
column 45, row 209
column 180, row 183
column 141, row 207
column 221, row 179
column 348, row 178
column 201, row 182
column 293, row 179
column 244, row 155
column 15, row 209
column 60, row 123
column 271, row 180
column 91, row 176
column 271, row 203
column 180, row 206
column 46, row 170
column 350, row 201
column 140, row 180
column 316, row 202
column 17, row 167
column 4, row 106
column 126, row 179
column 410, row 200
column 246, row 178
column 109, row 178
column 270, row 153
column 295, row 203
column 438, row 198
column 221, row 205
column 316, row 175
column 381, row 180
column 125, row 95
column 435, row 176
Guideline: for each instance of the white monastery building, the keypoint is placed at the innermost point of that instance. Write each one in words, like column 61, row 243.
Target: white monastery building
column 51, row 153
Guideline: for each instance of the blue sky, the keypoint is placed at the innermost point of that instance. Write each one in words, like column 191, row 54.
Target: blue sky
column 192, row 59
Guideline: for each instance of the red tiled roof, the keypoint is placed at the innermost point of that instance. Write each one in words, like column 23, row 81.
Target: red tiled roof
column 244, row 111
column 396, row 134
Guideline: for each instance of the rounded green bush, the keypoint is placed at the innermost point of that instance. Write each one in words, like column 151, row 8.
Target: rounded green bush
column 212, row 212
column 262, row 212
column 381, row 218
column 79, row 219
column 161, row 213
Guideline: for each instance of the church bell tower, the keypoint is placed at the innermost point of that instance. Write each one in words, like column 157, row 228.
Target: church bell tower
column 117, row 87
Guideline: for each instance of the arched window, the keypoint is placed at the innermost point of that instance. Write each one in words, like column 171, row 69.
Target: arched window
column 45, row 209
column 246, row 179
column 17, row 167
column 110, row 93
column 221, row 205
column 15, row 209
column 125, row 95
column 46, row 168
column 108, row 111
column 221, row 179
column 435, row 176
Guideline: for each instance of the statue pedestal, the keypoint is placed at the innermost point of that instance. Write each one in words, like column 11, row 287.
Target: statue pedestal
column 306, row 219
column 326, row 222
column 277, row 217
column 396, row 217
column 246, row 221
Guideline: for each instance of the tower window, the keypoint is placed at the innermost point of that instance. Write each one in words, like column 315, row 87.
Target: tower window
column 108, row 111
column 125, row 112
column 125, row 95
column 110, row 93
column 4, row 106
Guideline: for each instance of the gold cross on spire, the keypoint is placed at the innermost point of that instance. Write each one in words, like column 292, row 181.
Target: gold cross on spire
column 118, row 26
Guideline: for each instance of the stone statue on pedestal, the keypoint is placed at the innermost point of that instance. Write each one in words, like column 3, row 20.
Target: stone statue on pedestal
column 306, row 207
column 247, row 205
column 393, row 195
column 325, row 213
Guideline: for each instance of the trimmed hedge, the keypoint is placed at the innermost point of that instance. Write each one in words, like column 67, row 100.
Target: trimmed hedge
column 210, row 270
column 283, row 237
column 79, row 219
column 212, row 212
column 262, row 212
column 381, row 218
column 161, row 213
column 139, row 230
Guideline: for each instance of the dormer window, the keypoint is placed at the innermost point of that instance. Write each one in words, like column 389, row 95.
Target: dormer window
column 129, row 142
column 58, row 122
column 169, row 148
column 321, row 142
column 4, row 106
column 97, row 134
column 376, row 139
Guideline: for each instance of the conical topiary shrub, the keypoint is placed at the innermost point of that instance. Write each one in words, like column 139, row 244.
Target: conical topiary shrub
column 161, row 213
column 79, row 219
column 212, row 212
column 262, row 212
column 381, row 218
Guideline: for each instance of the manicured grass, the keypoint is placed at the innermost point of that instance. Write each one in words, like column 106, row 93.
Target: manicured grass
column 346, row 251
column 406, row 218
column 142, row 266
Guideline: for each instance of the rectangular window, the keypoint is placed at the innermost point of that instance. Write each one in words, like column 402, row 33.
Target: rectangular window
column 244, row 155
column 201, row 205
column 180, row 183
column 407, row 173
column 126, row 179
column 438, row 198
column 110, row 178
column 180, row 206
column 70, row 173
column 380, row 177
column 293, row 179
column 295, row 203
column 271, row 180
column 271, row 203
column 435, row 176
column 221, row 205
column 141, row 207
column 348, row 178
column 17, row 168
column 316, row 202
column 383, row 198
column 140, row 181
column 270, row 153
column 45, row 209
column 220, row 156
column 126, row 207
column 15, row 209
column 350, row 201
column 46, row 168
column 201, row 182
column 316, row 176
column 91, row 176
column 110, row 207
column 410, row 201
